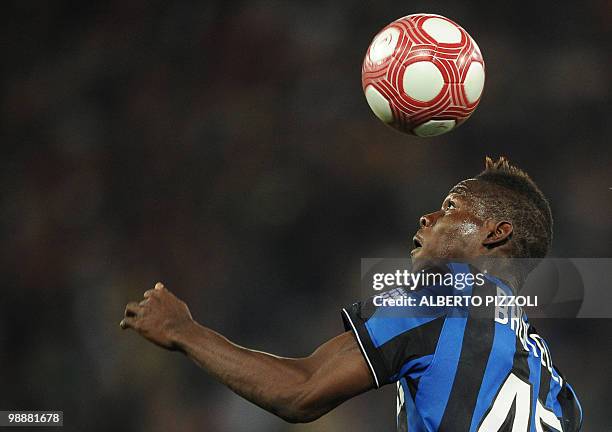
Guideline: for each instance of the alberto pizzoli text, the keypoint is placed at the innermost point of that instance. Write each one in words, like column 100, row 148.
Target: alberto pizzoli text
column 455, row 301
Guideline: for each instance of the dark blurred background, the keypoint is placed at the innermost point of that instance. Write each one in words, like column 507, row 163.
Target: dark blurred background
column 226, row 148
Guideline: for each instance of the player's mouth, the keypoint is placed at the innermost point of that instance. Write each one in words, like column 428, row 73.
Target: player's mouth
column 418, row 244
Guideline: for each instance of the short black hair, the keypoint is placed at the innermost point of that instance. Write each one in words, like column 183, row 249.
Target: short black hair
column 519, row 200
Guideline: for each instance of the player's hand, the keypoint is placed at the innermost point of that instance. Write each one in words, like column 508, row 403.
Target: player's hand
column 159, row 317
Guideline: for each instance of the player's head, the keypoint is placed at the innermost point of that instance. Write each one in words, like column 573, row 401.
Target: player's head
column 500, row 213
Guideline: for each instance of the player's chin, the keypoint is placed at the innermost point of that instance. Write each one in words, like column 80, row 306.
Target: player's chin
column 423, row 258
column 417, row 257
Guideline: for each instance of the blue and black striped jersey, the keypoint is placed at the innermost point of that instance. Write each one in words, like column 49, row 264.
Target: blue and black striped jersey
column 458, row 369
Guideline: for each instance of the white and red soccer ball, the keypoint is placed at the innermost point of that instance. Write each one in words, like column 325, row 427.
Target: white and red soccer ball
column 423, row 74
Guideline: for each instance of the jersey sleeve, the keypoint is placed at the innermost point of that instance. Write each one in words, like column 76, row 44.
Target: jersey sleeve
column 395, row 342
column 571, row 409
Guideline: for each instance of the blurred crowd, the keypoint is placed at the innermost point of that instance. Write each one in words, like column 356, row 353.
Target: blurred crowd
column 226, row 149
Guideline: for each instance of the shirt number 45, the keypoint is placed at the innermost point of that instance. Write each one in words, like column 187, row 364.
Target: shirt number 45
column 516, row 392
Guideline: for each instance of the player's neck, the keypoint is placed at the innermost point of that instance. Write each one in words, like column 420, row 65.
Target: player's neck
column 505, row 269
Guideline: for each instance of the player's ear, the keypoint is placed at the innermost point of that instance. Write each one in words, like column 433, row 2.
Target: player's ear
column 498, row 233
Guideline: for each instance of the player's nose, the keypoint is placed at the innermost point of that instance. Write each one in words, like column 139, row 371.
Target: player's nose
column 428, row 220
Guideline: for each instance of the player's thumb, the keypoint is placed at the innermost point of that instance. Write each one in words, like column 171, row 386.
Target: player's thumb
column 159, row 286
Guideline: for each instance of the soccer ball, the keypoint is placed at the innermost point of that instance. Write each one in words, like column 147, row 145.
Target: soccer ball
column 423, row 74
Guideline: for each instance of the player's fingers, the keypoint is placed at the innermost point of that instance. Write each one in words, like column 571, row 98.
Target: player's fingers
column 127, row 322
column 159, row 286
column 149, row 293
column 132, row 309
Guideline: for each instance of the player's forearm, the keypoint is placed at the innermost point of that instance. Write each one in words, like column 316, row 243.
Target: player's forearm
column 297, row 390
column 269, row 381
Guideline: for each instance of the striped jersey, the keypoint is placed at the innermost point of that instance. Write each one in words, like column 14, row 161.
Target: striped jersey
column 463, row 368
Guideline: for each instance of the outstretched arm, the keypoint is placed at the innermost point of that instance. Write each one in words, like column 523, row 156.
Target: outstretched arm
column 295, row 389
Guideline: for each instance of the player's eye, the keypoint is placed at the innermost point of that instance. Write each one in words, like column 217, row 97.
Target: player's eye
column 450, row 204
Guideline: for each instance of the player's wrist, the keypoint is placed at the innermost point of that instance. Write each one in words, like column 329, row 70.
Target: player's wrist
column 181, row 335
